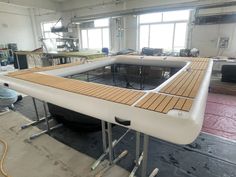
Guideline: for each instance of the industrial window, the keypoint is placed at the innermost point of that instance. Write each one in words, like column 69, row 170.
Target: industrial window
column 165, row 30
column 96, row 37
column 46, row 29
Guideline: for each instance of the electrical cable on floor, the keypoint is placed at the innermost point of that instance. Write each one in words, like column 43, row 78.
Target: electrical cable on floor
column 5, row 149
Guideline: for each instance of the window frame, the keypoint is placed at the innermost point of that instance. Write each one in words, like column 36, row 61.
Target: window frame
column 174, row 22
column 101, row 28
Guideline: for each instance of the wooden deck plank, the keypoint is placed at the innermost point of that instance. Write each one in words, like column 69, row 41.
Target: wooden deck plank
column 170, row 86
column 108, row 93
column 94, row 90
column 180, row 84
column 171, row 105
column 129, row 97
column 180, row 103
column 167, row 87
column 163, row 104
column 144, row 100
column 187, row 105
column 187, row 84
column 104, row 92
column 194, row 91
column 122, row 96
column 116, row 93
column 111, row 93
column 150, row 101
column 134, row 99
column 191, row 85
column 157, row 102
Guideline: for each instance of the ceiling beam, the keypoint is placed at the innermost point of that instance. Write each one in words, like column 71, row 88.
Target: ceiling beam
column 43, row 4
column 81, row 5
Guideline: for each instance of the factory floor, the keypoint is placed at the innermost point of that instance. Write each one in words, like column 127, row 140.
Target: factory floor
column 210, row 155
column 44, row 156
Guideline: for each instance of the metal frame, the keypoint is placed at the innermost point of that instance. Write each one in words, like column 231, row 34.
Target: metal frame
column 142, row 159
column 109, row 145
column 46, row 118
column 18, row 63
column 108, row 148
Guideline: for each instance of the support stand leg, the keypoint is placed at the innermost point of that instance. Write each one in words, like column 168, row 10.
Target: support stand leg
column 138, row 157
column 145, row 155
column 114, row 143
column 38, row 120
column 104, row 138
column 48, row 128
column 46, row 117
column 109, row 134
column 154, row 172
column 137, row 147
column 36, row 110
column 44, row 132
column 105, row 149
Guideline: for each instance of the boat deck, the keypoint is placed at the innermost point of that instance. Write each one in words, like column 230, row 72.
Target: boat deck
column 177, row 94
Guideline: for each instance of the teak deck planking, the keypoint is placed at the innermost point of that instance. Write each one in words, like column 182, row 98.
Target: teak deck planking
column 114, row 94
column 188, row 82
column 177, row 94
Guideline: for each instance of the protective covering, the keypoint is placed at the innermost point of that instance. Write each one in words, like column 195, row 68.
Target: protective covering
column 7, row 97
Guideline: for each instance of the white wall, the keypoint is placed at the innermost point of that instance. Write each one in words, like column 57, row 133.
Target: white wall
column 15, row 27
column 131, row 32
column 205, row 38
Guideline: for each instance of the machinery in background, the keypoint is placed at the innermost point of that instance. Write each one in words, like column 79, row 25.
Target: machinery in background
column 65, row 41
column 151, row 51
column 189, row 52
column 7, row 54
column 67, row 44
column 160, row 52
column 228, row 73
column 4, row 55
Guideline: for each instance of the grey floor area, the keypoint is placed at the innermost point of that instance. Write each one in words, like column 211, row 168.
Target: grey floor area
column 208, row 156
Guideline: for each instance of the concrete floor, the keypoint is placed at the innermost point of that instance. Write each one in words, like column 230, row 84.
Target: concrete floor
column 207, row 156
column 44, row 156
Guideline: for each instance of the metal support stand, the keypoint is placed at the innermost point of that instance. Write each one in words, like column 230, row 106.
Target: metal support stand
column 145, row 155
column 36, row 110
column 107, row 133
column 117, row 159
column 104, row 139
column 39, row 120
column 143, row 158
column 18, row 63
column 138, row 157
column 137, row 147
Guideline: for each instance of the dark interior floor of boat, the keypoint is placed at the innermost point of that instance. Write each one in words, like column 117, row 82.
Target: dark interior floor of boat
column 128, row 76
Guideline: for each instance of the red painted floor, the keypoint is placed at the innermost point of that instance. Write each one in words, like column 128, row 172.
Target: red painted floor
column 220, row 116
